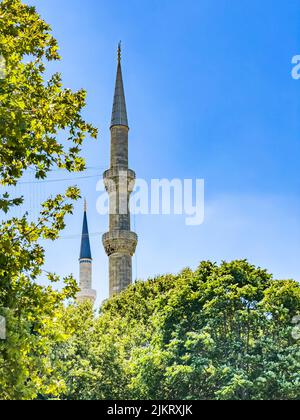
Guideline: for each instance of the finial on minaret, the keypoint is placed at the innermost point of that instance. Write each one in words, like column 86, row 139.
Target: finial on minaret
column 119, row 51
column 85, row 205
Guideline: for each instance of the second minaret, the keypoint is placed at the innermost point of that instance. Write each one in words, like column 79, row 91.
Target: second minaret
column 86, row 292
column 119, row 243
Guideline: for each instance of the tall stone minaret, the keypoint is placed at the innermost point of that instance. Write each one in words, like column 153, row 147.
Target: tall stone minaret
column 119, row 243
column 85, row 264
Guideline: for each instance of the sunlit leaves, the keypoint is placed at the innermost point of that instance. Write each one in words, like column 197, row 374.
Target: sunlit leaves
column 34, row 110
column 41, row 128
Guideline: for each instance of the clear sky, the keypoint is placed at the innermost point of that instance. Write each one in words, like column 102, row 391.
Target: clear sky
column 209, row 95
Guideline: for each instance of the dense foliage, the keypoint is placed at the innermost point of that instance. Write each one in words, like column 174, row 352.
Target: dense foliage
column 33, row 112
column 220, row 332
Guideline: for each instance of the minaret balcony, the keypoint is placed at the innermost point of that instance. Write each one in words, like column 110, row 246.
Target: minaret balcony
column 86, row 294
column 118, row 175
column 120, row 241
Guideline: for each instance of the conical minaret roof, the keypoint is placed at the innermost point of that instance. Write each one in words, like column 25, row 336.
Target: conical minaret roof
column 119, row 112
column 85, row 249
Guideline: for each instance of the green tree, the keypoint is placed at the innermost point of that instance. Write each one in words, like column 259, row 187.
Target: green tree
column 34, row 113
column 90, row 362
column 220, row 332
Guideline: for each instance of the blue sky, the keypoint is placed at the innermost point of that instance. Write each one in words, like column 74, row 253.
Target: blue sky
column 209, row 95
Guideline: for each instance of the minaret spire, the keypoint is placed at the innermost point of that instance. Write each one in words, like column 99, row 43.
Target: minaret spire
column 85, row 263
column 119, row 112
column 85, row 249
column 120, row 242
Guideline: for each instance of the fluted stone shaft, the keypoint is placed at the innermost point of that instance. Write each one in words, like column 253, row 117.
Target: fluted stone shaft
column 119, row 243
column 119, row 146
column 86, row 292
column 85, row 267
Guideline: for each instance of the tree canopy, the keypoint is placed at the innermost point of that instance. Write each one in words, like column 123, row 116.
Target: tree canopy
column 219, row 332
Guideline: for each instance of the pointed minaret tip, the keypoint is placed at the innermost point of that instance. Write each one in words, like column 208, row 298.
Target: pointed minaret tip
column 119, row 112
column 85, row 249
